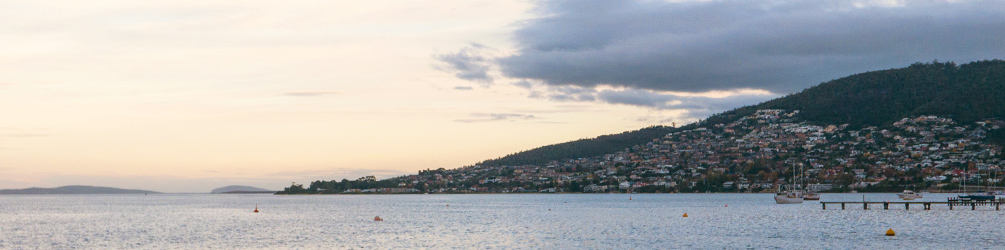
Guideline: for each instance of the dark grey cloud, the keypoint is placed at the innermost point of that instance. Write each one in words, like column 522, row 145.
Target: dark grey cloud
column 523, row 84
column 491, row 117
column 782, row 46
column 311, row 93
column 470, row 63
column 463, row 88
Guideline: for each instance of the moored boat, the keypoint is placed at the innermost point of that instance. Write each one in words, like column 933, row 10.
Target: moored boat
column 810, row 196
column 977, row 197
column 909, row 195
column 789, row 197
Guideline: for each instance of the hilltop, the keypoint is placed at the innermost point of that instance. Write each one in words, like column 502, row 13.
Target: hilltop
column 965, row 93
column 76, row 190
column 236, row 189
column 928, row 124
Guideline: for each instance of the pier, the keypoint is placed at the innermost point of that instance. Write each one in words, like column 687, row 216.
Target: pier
column 926, row 205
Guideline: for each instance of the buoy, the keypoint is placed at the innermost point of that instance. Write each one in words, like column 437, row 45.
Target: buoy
column 448, row 205
column 629, row 197
column 727, row 205
column 256, row 208
column 549, row 209
column 889, row 232
column 685, row 215
column 377, row 218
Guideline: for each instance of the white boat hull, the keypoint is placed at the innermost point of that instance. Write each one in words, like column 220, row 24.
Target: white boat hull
column 909, row 196
column 782, row 199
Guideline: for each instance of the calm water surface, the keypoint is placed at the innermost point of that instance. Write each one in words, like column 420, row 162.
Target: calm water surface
column 511, row 221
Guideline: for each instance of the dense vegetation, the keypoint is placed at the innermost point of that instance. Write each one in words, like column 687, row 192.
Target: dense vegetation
column 601, row 145
column 965, row 93
column 334, row 187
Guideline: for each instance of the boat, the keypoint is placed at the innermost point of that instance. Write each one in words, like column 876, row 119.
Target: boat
column 791, row 196
column 978, row 196
column 788, row 197
column 811, row 196
column 909, row 195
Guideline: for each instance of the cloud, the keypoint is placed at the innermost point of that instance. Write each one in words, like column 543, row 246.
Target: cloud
column 463, row 88
column 491, row 117
column 696, row 105
column 523, row 84
column 470, row 63
column 311, row 93
column 781, row 46
column 569, row 93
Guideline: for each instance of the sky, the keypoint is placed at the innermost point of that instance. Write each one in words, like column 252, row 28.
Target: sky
column 187, row 96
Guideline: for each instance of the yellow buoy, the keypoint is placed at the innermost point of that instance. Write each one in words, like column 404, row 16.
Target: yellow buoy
column 685, row 215
column 889, row 232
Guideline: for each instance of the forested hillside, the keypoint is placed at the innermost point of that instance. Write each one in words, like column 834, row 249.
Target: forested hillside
column 604, row 144
column 965, row 93
column 928, row 116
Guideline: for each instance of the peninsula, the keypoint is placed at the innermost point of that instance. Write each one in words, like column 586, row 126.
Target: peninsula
column 929, row 125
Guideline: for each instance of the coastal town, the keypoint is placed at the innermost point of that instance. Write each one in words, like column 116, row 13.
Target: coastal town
column 756, row 153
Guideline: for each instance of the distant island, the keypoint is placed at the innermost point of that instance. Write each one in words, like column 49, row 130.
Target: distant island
column 76, row 190
column 933, row 126
column 235, row 189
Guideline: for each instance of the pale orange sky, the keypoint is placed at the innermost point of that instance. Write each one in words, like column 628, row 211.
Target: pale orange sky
column 187, row 96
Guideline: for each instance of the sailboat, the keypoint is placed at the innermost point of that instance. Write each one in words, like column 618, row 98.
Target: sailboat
column 791, row 196
column 977, row 196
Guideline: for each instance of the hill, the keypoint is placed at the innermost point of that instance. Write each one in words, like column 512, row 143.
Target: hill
column 240, row 189
column 922, row 126
column 600, row 145
column 76, row 190
column 965, row 93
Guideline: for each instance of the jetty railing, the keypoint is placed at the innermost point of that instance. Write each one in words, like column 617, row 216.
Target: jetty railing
column 926, row 205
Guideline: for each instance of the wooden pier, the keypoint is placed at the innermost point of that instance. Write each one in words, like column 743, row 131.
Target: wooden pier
column 926, row 205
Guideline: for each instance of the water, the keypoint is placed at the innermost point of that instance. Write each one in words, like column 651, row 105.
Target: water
column 510, row 221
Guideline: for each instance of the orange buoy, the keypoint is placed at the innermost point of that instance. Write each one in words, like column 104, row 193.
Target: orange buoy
column 889, row 232
column 448, row 205
column 256, row 208
column 549, row 209
column 629, row 197
column 377, row 218
column 685, row 215
column 727, row 205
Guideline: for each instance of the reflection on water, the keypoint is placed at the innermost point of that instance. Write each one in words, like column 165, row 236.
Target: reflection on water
column 575, row 221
